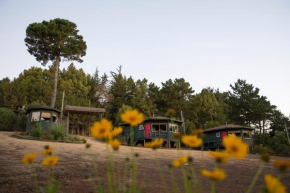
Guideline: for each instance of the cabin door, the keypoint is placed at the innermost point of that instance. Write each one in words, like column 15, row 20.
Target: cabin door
column 223, row 134
column 147, row 130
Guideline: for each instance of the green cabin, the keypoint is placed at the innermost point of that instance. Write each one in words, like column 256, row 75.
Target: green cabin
column 45, row 116
column 213, row 136
column 151, row 128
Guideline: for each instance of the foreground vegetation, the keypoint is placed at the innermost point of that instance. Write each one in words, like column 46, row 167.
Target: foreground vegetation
column 235, row 148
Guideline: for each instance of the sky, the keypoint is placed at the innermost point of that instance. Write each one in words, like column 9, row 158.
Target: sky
column 209, row 43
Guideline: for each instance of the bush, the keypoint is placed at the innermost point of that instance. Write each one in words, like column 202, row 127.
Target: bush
column 258, row 149
column 84, row 140
column 46, row 134
column 58, row 132
column 276, row 145
column 36, row 130
column 23, row 121
column 7, row 118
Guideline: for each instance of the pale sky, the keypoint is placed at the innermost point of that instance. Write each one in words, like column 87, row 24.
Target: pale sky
column 207, row 42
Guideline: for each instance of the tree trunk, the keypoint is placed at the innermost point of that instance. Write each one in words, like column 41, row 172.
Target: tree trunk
column 54, row 87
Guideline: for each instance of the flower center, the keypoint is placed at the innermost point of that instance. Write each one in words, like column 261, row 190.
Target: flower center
column 102, row 130
column 132, row 119
column 234, row 148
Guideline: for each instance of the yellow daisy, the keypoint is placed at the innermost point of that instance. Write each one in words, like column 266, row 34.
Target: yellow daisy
column 220, row 157
column 117, row 131
column 281, row 165
column 274, row 185
column 198, row 132
column 50, row 161
column 133, row 117
column 183, row 159
column 170, row 112
column 191, row 140
column 155, row 143
column 101, row 129
column 176, row 163
column 214, row 175
column 47, row 151
column 28, row 158
column 235, row 146
column 115, row 143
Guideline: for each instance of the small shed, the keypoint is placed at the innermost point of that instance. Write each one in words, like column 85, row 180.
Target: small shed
column 99, row 112
column 213, row 136
column 45, row 116
column 151, row 128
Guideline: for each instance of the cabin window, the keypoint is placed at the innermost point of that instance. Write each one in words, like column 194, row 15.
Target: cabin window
column 236, row 133
column 246, row 134
column 35, row 116
column 45, row 116
column 54, row 117
column 156, row 127
column 173, row 128
column 141, row 127
column 218, row 134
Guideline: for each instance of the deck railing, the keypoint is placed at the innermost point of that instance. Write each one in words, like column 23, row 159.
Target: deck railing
column 159, row 134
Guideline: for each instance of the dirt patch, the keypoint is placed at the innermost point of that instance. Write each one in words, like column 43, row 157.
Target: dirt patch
column 75, row 164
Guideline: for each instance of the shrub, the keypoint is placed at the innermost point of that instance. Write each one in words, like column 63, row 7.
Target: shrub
column 58, row 132
column 36, row 130
column 46, row 134
column 84, row 140
column 23, row 121
column 7, row 118
column 258, row 149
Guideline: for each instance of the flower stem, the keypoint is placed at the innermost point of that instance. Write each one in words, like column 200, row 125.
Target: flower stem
column 256, row 177
column 213, row 187
column 35, row 178
column 159, row 171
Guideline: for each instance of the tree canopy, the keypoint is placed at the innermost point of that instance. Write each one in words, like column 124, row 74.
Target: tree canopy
column 55, row 41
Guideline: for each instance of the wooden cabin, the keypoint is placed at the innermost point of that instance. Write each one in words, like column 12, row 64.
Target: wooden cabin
column 151, row 128
column 45, row 116
column 213, row 136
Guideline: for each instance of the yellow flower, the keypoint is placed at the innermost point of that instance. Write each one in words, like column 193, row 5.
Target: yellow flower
column 115, row 143
column 133, row 117
column 177, row 135
column 220, row 157
column 282, row 166
column 47, row 152
column 235, row 146
column 155, row 143
column 28, row 158
column 198, row 132
column 183, row 159
column 117, row 131
column 274, row 185
column 176, row 163
column 170, row 112
column 50, row 161
column 215, row 175
column 180, row 161
column 265, row 157
column 101, row 129
column 191, row 140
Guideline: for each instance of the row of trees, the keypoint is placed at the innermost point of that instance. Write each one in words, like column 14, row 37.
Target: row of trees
column 115, row 92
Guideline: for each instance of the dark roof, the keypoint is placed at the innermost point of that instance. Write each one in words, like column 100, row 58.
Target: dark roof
column 227, row 127
column 38, row 108
column 150, row 119
column 83, row 110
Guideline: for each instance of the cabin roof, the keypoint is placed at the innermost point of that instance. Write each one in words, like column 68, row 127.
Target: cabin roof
column 150, row 119
column 227, row 127
column 39, row 108
column 83, row 110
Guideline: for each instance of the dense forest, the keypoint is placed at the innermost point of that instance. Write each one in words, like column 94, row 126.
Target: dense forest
column 242, row 105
